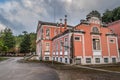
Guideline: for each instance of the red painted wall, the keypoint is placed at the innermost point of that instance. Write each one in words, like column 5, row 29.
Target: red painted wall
column 115, row 26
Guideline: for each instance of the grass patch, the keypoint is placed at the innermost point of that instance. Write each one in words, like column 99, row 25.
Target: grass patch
column 3, row 58
column 111, row 67
column 45, row 62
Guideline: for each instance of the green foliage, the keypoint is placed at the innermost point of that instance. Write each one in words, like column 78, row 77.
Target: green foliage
column 33, row 42
column 2, row 58
column 8, row 40
column 25, row 45
column 20, row 39
column 94, row 13
column 110, row 16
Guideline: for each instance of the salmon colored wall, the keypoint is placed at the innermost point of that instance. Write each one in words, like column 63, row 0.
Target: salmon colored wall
column 113, row 48
column 78, row 47
column 103, row 39
column 116, row 28
column 44, row 47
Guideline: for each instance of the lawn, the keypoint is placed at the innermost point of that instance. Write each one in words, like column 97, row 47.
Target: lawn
column 114, row 67
column 3, row 58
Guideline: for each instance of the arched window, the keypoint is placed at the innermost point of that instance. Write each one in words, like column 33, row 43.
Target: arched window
column 95, row 30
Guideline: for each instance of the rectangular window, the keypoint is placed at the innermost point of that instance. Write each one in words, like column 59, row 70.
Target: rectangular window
column 77, row 38
column 60, row 45
column 56, row 58
column 113, row 60
column 56, row 47
column 65, row 60
column 106, row 60
column 78, row 60
column 47, row 58
column 88, row 60
column 47, row 47
column 112, row 41
column 53, row 58
column 96, row 44
column 66, row 44
column 97, row 60
column 47, row 33
column 60, row 59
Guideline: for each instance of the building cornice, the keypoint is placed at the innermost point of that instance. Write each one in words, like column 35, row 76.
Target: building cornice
column 68, row 31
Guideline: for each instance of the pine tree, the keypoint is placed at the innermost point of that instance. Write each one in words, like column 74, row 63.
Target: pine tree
column 25, row 45
column 8, row 39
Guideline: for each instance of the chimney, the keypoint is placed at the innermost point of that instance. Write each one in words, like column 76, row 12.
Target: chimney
column 60, row 25
column 65, row 24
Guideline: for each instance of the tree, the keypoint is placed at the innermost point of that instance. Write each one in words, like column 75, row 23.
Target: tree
column 111, row 15
column 108, row 16
column 25, row 45
column 8, row 40
column 94, row 13
column 116, row 13
column 33, row 42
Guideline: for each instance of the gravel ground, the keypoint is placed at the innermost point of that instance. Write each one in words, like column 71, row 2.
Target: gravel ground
column 67, row 72
column 11, row 69
column 74, row 73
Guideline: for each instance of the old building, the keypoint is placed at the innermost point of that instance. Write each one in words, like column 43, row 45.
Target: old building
column 45, row 32
column 115, row 27
column 89, row 42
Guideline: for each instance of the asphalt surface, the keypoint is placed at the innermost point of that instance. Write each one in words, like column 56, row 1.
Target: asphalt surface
column 11, row 69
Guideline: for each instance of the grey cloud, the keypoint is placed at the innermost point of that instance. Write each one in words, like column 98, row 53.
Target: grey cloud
column 23, row 15
column 15, row 26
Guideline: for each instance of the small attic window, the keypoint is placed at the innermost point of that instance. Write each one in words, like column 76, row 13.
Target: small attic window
column 95, row 30
column 112, row 41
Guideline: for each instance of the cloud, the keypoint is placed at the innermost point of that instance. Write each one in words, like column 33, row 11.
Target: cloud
column 23, row 15
column 2, row 27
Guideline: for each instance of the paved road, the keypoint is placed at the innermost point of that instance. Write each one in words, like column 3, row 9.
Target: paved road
column 13, row 70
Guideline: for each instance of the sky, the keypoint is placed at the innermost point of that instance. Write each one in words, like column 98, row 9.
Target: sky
column 23, row 15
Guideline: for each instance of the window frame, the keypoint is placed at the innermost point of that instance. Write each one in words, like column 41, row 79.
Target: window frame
column 88, row 61
column 106, row 61
column 96, row 44
column 47, row 58
column 65, row 44
column 77, row 37
column 113, row 41
column 61, row 47
column 97, row 61
column 66, row 60
column 95, row 30
column 60, row 59
column 47, row 36
column 114, row 61
column 47, row 47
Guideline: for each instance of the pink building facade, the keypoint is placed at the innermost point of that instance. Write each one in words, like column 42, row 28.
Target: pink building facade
column 89, row 42
column 115, row 27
